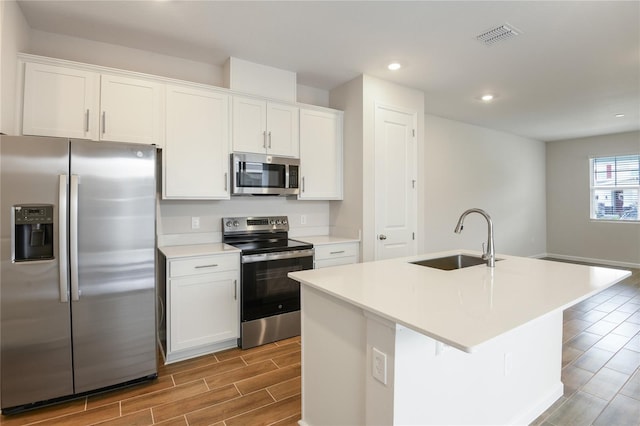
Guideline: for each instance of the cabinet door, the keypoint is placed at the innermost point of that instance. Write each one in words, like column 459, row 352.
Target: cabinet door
column 131, row 110
column 60, row 102
column 249, row 125
column 196, row 153
column 320, row 155
column 203, row 310
column 283, row 136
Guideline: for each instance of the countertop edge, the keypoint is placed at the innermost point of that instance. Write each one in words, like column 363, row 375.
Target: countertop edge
column 472, row 343
column 177, row 252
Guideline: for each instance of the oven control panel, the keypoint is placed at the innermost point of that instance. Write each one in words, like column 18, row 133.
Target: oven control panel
column 254, row 224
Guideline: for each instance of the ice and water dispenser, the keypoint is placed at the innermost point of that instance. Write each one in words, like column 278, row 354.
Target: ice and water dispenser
column 33, row 232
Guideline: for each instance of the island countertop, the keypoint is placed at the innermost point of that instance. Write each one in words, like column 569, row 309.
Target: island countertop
column 467, row 307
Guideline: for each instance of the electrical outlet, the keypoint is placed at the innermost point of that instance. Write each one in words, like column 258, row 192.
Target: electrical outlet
column 379, row 366
column 303, row 219
column 195, row 222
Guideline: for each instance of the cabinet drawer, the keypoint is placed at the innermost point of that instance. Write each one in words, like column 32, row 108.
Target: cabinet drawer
column 203, row 265
column 326, row 263
column 331, row 251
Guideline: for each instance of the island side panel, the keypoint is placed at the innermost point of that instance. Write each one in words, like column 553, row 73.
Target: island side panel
column 333, row 359
column 380, row 370
column 509, row 380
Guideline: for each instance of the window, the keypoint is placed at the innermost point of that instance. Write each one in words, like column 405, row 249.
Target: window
column 615, row 187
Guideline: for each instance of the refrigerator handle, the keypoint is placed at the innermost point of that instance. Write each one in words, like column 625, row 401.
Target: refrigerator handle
column 73, row 237
column 63, row 264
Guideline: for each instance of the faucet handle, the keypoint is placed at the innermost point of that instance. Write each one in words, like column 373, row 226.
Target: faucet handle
column 485, row 255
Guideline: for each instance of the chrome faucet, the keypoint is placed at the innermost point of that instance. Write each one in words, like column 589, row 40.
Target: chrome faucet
column 490, row 254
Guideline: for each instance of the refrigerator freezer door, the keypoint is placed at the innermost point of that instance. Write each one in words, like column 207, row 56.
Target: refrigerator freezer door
column 35, row 358
column 114, row 314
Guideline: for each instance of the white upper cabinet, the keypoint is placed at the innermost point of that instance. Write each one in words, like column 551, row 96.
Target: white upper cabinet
column 131, row 110
column 79, row 103
column 196, row 153
column 320, row 154
column 263, row 127
column 283, row 135
column 60, row 102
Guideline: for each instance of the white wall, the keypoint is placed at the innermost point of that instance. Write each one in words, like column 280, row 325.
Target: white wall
column 14, row 37
column 174, row 223
column 469, row 166
column 570, row 231
column 115, row 56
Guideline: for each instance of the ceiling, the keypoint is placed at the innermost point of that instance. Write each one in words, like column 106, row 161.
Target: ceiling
column 574, row 66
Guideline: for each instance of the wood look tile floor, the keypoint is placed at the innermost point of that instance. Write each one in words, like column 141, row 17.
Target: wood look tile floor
column 258, row 386
column 261, row 386
column 601, row 360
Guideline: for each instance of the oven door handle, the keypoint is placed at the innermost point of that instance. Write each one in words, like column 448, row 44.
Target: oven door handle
column 265, row 257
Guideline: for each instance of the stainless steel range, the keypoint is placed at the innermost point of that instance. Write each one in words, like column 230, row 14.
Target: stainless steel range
column 269, row 300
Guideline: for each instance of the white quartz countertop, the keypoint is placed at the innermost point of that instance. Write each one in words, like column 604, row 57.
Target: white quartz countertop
column 175, row 252
column 467, row 307
column 319, row 240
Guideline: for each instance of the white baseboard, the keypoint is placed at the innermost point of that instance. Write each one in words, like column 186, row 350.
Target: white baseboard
column 540, row 406
column 539, row 255
column 591, row 260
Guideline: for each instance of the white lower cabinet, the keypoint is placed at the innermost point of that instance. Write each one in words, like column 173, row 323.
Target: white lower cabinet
column 202, row 305
column 336, row 254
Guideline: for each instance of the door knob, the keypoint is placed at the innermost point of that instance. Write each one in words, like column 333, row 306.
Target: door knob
column 382, row 237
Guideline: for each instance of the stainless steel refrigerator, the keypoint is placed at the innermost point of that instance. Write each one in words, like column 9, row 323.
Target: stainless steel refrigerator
column 77, row 270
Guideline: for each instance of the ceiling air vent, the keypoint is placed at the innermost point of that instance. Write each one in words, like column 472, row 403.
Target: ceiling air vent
column 500, row 33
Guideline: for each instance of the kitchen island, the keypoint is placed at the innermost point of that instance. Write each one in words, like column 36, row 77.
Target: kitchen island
column 392, row 342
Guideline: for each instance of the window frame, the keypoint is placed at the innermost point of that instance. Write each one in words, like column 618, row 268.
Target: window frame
column 593, row 188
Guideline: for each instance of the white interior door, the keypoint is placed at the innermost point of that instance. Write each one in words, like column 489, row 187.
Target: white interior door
column 395, row 182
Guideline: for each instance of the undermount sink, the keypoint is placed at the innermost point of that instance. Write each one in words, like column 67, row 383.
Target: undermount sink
column 449, row 263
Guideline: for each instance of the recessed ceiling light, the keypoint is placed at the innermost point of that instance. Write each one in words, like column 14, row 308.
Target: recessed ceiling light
column 394, row 66
column 619, row 115
column 487, row 97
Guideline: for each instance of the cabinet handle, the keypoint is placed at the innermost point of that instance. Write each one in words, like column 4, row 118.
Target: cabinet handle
column 104, row 122
column 86, row 122
column 264, row 139
column 225, row 182
column 235, row 289
column 213, row 265
column 336, row 252
column 302, row 183
column 269, row 140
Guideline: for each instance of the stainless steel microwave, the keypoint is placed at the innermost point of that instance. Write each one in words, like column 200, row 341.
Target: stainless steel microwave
column 258, row 174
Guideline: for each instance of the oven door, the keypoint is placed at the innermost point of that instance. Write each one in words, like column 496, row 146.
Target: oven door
column 266, row 289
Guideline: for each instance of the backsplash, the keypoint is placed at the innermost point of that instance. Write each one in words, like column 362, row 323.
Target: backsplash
column 174, row 224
